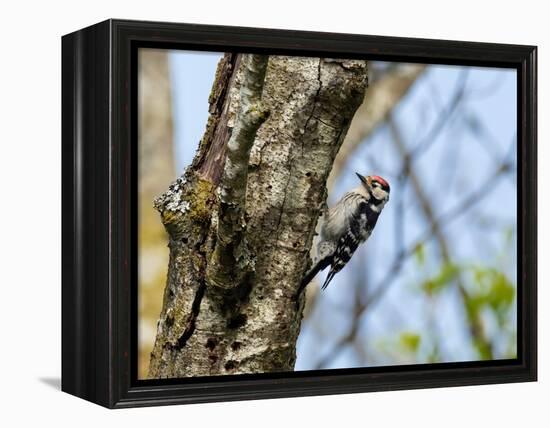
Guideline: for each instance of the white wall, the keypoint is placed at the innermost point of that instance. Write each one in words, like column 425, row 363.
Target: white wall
column 30, row 214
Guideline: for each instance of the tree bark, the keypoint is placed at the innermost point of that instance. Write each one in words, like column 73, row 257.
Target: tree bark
column 240, row 237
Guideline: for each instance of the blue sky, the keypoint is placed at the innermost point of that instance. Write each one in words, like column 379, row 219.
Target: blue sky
column 191, row 74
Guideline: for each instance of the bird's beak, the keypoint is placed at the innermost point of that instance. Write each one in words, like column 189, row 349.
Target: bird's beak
column 364, row 180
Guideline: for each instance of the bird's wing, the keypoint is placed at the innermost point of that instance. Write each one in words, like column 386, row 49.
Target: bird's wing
column 356, row 232
column 337, row 221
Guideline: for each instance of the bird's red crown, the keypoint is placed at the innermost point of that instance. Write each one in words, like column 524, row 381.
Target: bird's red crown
column 383, row 182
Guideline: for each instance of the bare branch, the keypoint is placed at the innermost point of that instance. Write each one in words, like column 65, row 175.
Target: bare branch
column 476, row 329
column 379, row 101
column 230, row 260
column 431, row 137
column 459, row 209
column 352, row 336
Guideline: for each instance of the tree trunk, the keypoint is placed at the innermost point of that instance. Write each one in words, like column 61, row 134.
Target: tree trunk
column 242, row 218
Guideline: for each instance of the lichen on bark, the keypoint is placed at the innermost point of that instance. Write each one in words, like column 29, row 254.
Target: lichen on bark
column 252, row 326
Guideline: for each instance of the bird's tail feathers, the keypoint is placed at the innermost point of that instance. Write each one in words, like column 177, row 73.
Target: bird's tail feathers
column 329, row 278
column 318, row 267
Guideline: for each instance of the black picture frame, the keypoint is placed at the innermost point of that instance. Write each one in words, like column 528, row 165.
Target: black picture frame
column 99, row 195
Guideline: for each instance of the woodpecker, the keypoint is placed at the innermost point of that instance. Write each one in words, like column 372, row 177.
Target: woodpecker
column 346, row 225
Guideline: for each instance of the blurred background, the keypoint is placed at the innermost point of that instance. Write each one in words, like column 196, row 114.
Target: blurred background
column 436, row 282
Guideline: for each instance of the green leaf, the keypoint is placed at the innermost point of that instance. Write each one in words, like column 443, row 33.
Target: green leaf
column 447, row 273
column 493, row 290
column 493, row 287
column 420, row 254
column 410, row 341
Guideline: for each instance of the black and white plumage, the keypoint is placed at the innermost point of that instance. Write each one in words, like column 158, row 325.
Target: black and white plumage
column 347, row 225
